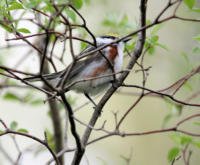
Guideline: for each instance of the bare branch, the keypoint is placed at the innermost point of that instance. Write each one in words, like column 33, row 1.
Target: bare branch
column 8, row 131
column 80, row 149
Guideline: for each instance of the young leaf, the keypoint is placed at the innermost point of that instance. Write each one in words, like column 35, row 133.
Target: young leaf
column 23, row 30
column 22, row 130
column 166, row 119
column 83, row 45
column 185, row 140
column 77, row 3
column 196, row 144
column 181, row 140
column 155, row 29
column 31, row 4
column 15, row 6
column 7, row 28
column 71, row 15
column 13, row 125
column 188, row 86
column 50, row 139
column 162, row 46
column 196, row 10
column 11, row 96
column 177, row 109
column 87, row 2
column 48, row 7
column 124, row 21
column 197, row 38
column 189, row 3
column 196, row 50
column 173, row 153
column 154, row 39
column 36, row 102
column 197, row 123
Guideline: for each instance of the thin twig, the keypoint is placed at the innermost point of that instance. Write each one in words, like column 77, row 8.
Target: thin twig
column 8, row 131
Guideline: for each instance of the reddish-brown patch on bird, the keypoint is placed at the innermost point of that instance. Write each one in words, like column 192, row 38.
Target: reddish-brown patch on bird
column 112, row 53
column 102, row 69
column 97, row 71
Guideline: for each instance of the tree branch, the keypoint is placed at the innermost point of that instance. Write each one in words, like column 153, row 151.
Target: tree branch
column 110, row 92
column 43, row 142
column 79, row 146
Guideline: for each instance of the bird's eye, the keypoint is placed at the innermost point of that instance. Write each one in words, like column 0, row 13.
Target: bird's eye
column 109, row 37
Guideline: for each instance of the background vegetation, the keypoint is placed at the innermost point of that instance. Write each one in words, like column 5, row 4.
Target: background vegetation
column 160, row 96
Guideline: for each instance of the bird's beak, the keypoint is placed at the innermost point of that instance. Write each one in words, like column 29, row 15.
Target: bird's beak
column 127, row 39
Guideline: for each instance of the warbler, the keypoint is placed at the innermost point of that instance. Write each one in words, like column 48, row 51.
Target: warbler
column 95, row 72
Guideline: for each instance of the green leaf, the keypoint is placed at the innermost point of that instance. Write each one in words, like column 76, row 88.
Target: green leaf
column 155, row 29
column 123, row 21
column 154, row 39
column 177, row 109
column 166, row 120
column 22, row 130
column 77, row 3
column 189, row 3
column 83, row 45
column 11, row 96
column 197, row 38
column 117, row 23
column 31, row 4
column 196, row 143
column 52, row 37
column 173, row 153
column 61, row 2
column 151, row 50
column 23, row 30
column 13, row 125
column 36, row 102
column 110, row 20
column 87, row 2
column 71, row 15
column 196, row 50
column 162, row 46
column 181, row 140
column 188, row 86
column 72, row 100
column 7, row 28
column 48, row 7
column 185, row 56
column 130, row 46
column 50, row 139
column 15, row 6
column 196, row 10
column 185, row 140
column 151, row 43
column 197, row 123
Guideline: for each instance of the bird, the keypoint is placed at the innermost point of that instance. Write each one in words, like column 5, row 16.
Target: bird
column 95, row 72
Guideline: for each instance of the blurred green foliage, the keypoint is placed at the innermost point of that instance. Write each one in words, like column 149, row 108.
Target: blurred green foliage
column 29, row 97
column 118, row 24
column 14, row 127
column 115, row 23
column 181, row 142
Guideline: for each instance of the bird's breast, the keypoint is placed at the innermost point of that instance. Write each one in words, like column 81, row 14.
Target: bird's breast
column 112, row 54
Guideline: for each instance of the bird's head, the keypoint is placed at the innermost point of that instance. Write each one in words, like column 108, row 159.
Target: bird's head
column 107, row 39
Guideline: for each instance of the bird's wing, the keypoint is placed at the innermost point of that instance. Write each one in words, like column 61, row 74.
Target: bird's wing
column 76, row 69
column 86, row 50
column 81, row 64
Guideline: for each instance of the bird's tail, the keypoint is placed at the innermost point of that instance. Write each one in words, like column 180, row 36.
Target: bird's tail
column 48, row 77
